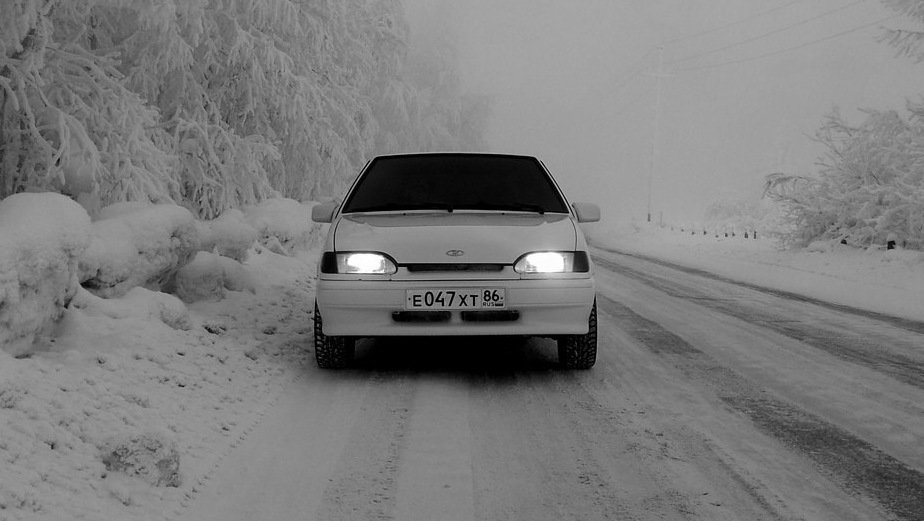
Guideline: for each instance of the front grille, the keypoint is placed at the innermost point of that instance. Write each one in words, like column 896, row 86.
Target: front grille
column 490, row 316
column 452, row 267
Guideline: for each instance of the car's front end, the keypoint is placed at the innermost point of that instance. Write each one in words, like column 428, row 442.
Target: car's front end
column 424, row 275
column 462, row 267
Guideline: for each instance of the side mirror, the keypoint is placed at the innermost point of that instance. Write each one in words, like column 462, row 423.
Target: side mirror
column 586, row 212
column 324, row 212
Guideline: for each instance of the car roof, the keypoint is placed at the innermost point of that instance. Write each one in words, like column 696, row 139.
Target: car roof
column 456, row 154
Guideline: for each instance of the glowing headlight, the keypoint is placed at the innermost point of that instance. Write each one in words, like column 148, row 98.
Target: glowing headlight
column 553, row 262
column 358, row 263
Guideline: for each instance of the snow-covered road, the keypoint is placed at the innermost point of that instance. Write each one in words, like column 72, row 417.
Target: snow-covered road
column 710, row 400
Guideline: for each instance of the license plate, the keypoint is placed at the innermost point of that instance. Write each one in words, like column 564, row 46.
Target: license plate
column 456, row 298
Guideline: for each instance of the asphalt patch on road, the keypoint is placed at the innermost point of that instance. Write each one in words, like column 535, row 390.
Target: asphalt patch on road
column 855, row 464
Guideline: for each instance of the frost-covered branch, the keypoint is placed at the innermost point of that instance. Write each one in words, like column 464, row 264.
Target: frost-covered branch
column 216, row 104
column 871, row 187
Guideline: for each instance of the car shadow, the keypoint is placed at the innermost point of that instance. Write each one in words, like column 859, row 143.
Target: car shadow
column 476, row 356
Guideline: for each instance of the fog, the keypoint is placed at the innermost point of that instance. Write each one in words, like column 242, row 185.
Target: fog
column 747, row 84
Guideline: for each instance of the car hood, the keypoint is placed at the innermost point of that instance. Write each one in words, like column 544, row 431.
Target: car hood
column 427, row 237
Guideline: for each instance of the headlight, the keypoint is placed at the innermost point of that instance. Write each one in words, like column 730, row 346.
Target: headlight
column 358, row 263
column 553, row 262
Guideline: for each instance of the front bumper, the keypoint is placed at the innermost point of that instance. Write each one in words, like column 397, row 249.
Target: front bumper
column 544, row 307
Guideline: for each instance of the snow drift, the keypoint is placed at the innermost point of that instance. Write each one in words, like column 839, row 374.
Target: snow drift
column 138, row 245
column 49, row 248
column 42, row 236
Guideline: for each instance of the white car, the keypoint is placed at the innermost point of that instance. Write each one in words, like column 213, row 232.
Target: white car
column 452, row 244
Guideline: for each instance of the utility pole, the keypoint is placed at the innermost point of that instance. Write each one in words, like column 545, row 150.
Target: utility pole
column 656, row 125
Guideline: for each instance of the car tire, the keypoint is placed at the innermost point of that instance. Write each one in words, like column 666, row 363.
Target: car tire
column 331, row 352
column 580, row 351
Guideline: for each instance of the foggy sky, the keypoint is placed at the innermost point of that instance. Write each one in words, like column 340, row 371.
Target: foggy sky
column 559, row 72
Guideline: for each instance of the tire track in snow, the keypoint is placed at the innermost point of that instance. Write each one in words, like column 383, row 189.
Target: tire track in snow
column 541, row 457
column 286, row 341
column 850, row 461
column 844, row 345
column 365, row 482
column 899, row 322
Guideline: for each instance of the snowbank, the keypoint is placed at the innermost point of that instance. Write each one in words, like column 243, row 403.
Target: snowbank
column 284, row 225
column 230, row 235
column 41, row 238
column 138, row 303
column 885, row 281
column 49, row 246
column 146, row 245
column 137, row 245
column 210, row 275
column 124, row 412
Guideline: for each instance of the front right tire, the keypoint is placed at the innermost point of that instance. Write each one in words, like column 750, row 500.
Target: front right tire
column 331, row 352
column 580, row 351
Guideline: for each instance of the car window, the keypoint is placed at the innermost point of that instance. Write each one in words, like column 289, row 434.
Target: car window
column 455, row 182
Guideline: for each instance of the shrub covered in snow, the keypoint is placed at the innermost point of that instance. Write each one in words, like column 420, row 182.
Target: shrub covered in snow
column 210, row 276
column 283, row 225
column 138, row 303
column 41, row 238
column 149, row 456
column 229, row 235
column 138, row 245
column 49, row 247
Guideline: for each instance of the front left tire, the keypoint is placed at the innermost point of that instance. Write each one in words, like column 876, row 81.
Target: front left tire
column 580, row 351
column 331, row 352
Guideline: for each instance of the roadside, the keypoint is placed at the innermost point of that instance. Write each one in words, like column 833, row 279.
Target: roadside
column 159, row 394
column 883, row 281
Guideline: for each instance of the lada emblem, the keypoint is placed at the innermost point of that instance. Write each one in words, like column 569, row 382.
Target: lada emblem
column 455, row 253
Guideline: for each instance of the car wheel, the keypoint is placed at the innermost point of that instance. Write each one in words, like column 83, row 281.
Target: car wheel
column 580, row 351
column 331, row 352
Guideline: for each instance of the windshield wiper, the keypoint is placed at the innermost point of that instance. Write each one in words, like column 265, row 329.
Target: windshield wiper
column 397, row 207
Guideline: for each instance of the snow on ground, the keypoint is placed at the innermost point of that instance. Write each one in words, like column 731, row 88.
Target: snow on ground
column 125, row 409
column 886, row 281
column 123, row 405
column 115, row 372
column 39, row 253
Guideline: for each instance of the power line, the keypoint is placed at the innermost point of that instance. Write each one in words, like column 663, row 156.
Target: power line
column 788, row 49
column 732, row 24
column 770, row 33
column 635, row 70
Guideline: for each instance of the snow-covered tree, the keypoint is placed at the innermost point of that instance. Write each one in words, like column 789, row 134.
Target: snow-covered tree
column 909, row 42
column 870, row 187
column 216, row 103
column 67, row 121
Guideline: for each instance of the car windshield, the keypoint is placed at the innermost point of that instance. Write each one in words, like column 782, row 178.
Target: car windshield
column 455, row 182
